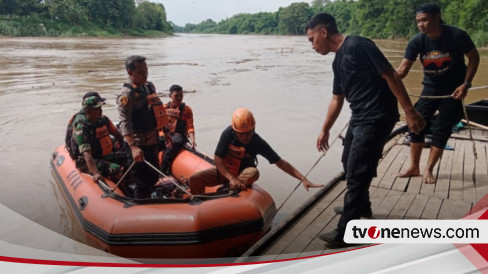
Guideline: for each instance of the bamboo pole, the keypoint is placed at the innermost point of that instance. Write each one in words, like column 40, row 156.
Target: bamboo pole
column 475, row 124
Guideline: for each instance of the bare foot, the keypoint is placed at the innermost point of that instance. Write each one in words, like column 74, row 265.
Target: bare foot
column 412, row 171
column 428, row 177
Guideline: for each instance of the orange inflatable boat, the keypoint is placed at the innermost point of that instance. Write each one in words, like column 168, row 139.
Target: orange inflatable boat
column 211, row 226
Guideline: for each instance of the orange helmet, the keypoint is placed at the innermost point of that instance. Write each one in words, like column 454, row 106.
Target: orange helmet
column 243, row 120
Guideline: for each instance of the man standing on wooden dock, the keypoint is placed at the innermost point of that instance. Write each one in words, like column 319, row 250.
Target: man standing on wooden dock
column 441, row 49
column 364, row 77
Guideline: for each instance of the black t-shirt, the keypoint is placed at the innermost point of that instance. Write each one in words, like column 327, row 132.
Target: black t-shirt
column 357, row 67
column 442, row 59
column 257, row 146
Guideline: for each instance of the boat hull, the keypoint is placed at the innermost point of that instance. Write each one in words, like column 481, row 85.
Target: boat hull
column 478, row 112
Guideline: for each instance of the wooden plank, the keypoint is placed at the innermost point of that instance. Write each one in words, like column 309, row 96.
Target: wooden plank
column 385, row 164
column 388, row 203
column 447, row 210
column 308, row 240
column 415, row 183
column 431, row 210
column 429, row 189
column 481, row 171
column 469, row 188
column 310, row 232
column 394, row 168
column 402, row 161
column 456, row 185
column 400, row 209
column 466, row 137
column 376, row 196
column 398, row 212
column 417, row 207
column 280, row 244
column 327, row 249
column 444, row 175
column 317, row 244
column 401, row 184
column 454, row 209
column 463, row 210
column 478, row 131
column 279, row 230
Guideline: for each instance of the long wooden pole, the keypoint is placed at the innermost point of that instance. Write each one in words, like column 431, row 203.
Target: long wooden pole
column 475, row 124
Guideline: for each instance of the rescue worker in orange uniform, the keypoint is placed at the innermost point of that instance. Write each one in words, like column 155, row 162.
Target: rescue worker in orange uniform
column 141, row 116
column 235, row 158
column 180, row 126
column 91, row 143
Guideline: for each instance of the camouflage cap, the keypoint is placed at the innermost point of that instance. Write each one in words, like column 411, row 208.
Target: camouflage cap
column 93, row 93
column 92, row 102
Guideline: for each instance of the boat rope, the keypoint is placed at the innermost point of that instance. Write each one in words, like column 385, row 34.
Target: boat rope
column 191, row 197
column 215, row 196
column 122, row 178
column 166, row 176
column 465, row 114
column 480, row 87
column 470, row 89
column 339, row 136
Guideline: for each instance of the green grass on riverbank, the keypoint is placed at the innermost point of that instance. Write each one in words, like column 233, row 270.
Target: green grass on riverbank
column 31, row 26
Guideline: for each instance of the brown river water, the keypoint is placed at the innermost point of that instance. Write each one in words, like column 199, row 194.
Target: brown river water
column 285, row 83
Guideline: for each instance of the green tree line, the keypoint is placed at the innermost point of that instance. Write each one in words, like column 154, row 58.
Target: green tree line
column 82, row 17
column 370, row 18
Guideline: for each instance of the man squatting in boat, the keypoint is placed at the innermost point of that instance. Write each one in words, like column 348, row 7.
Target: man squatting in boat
column 441, row 49
column 235, row 158
column 90, row 144
column 141, row 116
column 365, row 78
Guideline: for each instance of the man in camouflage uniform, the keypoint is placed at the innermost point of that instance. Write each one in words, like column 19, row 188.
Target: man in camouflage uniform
column 93, row 146
column 76, row 118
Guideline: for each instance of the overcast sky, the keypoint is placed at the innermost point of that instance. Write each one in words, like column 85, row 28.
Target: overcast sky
column 181, row 12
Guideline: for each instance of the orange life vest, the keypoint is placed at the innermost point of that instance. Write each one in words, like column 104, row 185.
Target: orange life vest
column 103, row 137
column 154, row 103
column 233, row 158
column 154, row 116
column 177, row 121
column 98, row 137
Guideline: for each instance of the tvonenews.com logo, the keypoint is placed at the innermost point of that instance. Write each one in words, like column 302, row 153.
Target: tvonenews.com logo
column 417, row 231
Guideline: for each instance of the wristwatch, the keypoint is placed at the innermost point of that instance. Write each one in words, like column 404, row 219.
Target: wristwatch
column 467, row 84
